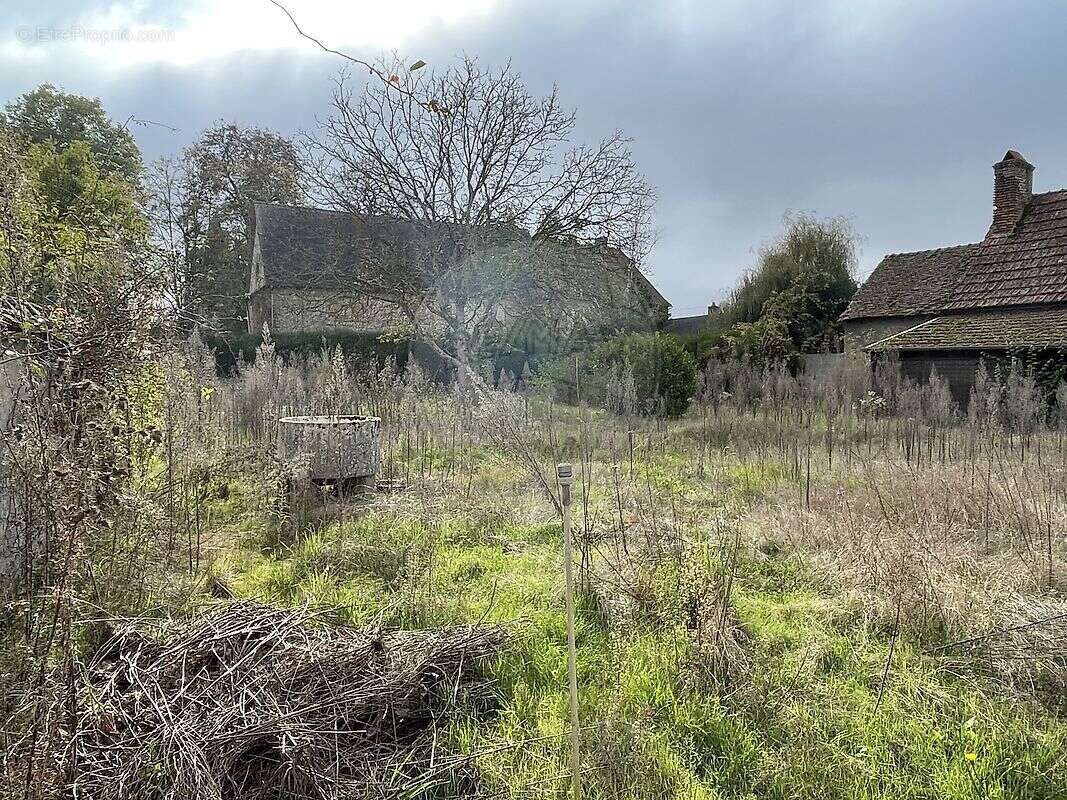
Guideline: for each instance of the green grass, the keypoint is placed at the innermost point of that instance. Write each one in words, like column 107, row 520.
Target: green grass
column 819, row 702
column 806, row 722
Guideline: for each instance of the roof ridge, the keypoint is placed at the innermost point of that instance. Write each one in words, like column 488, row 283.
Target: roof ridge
column 381, row 218
column 1049, row 193
column 931, row 250
column 301, row 207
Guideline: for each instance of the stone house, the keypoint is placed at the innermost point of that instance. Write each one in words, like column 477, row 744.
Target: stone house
column 952, row 307
column 696, row 324
column 302, row 262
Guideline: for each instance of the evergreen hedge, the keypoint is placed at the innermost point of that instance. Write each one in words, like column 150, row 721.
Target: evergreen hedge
column 367, row 348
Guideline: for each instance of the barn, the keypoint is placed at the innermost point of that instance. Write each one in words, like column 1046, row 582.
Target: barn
column 952, row 308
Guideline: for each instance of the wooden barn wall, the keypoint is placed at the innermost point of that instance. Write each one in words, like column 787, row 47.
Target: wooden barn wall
column 957, row 368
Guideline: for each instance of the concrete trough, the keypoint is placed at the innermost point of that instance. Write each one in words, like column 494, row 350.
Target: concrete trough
column 343, row 450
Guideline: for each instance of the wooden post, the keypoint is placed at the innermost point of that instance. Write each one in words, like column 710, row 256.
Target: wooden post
column 565, row 476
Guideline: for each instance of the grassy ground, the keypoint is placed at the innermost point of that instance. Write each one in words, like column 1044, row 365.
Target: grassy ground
column 732, row 641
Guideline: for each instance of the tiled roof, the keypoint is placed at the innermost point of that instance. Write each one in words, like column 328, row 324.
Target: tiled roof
column 987, row 329
column 314, row 248
column 1025, row 267
column 909, row 283
column 1028, row 266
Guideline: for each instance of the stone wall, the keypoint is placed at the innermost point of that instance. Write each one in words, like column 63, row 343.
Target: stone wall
column 258, row 311
column 330, row 448
column 861, row 332
column 296, row 310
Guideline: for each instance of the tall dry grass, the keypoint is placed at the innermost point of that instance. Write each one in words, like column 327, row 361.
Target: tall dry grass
column 889, row 476
column 913, row 521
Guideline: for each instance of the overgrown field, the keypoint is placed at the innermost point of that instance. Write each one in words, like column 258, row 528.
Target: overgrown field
column 803, row 590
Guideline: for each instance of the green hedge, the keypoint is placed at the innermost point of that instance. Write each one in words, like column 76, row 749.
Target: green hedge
column 233, row 349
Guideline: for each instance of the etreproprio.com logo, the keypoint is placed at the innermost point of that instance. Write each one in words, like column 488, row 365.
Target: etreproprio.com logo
column 43, row 34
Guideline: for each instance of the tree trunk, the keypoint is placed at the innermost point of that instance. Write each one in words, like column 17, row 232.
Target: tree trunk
column 463, row 369
column 463, row 349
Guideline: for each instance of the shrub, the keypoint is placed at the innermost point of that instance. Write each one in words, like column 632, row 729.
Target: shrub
column 233, row 349
column 664, row 373
column 704, row 347
column 653, row 369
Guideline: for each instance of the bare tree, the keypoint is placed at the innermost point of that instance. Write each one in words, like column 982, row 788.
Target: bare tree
column 475, row 204
column 164, row 204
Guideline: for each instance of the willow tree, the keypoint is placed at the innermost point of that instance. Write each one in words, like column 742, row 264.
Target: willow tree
column 790, row 303
column 502, row 211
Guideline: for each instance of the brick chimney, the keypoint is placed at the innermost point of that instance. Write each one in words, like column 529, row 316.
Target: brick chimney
column 1013, row 184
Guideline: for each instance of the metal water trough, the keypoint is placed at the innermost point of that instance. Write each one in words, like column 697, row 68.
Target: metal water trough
column 343, row 450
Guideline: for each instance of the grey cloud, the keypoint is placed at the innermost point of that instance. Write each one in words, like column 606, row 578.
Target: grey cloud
column 58, row 13
column 890, row 115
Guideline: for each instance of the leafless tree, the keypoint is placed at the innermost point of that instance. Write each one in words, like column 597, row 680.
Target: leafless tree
column 164, row 203
column 477, row 204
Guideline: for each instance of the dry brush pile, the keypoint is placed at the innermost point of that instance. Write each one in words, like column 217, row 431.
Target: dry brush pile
column 247, row 702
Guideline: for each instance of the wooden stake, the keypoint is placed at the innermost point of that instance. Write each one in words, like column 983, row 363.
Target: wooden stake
column 565, row 476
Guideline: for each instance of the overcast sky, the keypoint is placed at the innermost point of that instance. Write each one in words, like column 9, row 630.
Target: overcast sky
column 888, row 113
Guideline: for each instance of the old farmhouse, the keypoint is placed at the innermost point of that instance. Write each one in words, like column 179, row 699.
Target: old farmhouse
column 949, row 308
column 303, row 261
